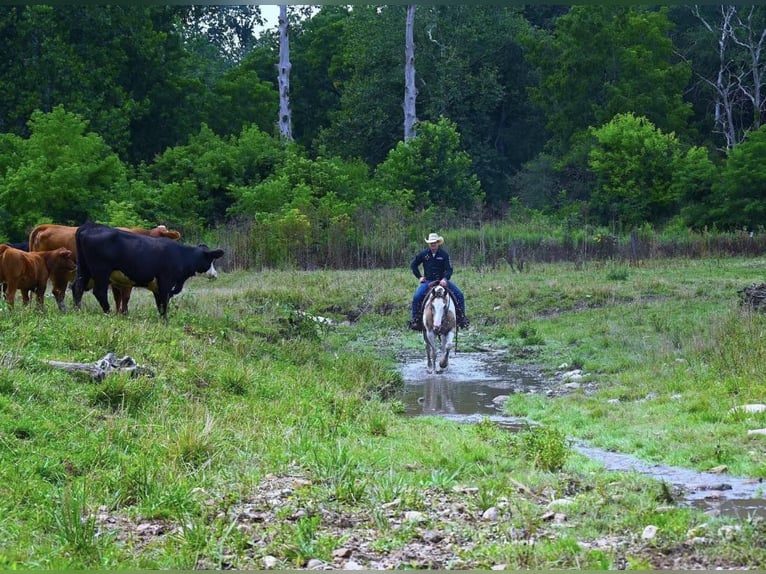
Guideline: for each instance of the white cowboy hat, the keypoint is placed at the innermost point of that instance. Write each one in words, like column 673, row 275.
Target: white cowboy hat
column 434, row 238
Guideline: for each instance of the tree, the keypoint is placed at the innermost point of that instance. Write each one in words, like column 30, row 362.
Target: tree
column 740, row 191
column 410, row 91
column 601, row 61
column 434, row 168
column 634, row 163
column 738, row 85
column 61, row 173
column 285, row 121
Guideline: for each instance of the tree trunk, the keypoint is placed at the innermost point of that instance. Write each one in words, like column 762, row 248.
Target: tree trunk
column 739, row 82
column 285, row 121
column 410, row 91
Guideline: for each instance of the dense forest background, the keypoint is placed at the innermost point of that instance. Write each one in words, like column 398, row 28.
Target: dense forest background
column 566, row 120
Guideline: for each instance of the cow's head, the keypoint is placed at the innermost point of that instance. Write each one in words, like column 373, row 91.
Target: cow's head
column 213, row 254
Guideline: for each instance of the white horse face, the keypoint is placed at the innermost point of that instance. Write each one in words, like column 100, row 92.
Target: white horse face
column 440, row 306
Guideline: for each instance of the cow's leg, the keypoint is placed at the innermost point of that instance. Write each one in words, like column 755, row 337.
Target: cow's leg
column 59, row 293
column 10, row 294
column 117, row 294
column 100, row 291
column 125, row 293
column 162, row 298
column 40, row 293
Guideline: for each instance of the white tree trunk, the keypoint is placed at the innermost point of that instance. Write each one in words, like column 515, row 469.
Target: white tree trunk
column 410, row 91
column 285, row 120
column 740, row 78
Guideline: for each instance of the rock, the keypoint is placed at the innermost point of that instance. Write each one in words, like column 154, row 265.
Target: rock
column 490, row 514
column 750, row 409
column 649, row 532
column 315, row 564
column 269, row 562
column 351, row 565
column 719, row 469
column 415, row 516
column 499, row 400
column 574, row 375
column 432, row 536
column 756, row 432
column 341, row 553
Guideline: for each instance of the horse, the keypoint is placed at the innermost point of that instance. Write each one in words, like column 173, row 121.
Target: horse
column 439, row 327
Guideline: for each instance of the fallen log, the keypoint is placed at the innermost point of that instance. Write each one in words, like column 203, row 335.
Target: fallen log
column 103, row 367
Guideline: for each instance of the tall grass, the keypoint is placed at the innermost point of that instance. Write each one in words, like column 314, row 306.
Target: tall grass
column 389, row 239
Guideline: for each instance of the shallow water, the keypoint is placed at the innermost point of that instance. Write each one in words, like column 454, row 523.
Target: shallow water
column 465, row 392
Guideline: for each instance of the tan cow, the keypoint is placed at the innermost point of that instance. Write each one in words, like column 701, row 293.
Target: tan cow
column 29, row 272
column 49, row 236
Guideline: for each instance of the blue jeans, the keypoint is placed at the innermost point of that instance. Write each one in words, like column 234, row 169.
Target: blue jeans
column 420, row 292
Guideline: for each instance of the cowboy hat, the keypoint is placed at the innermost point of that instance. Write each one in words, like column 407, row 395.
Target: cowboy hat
column 434, row 238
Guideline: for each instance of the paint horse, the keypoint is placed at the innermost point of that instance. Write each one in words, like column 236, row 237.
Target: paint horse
column 439, row 327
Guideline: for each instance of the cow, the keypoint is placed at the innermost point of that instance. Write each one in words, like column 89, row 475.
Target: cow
column 160, row 264
column 22, row 245
column 48, row 236
column 29, row 272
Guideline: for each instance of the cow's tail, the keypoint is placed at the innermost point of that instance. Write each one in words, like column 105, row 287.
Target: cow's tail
column 34, row 238
column 83, row 274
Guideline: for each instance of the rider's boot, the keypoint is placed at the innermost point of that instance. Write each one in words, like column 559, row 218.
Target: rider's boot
column 462, row 320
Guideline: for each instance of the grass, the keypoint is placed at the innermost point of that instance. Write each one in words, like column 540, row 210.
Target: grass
column 248, row 386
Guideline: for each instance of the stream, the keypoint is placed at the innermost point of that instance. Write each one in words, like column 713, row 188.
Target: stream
column 474, row 385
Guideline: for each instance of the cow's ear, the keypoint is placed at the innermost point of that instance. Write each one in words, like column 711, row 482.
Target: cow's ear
column 216, row 253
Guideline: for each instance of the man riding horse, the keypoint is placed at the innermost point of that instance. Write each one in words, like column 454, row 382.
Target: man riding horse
column 436, row 267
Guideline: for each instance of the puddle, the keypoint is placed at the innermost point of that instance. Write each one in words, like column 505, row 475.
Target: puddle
column 472, row 387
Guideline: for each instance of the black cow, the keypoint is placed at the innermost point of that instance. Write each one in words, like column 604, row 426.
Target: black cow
column 22, row 245
column 106, row 254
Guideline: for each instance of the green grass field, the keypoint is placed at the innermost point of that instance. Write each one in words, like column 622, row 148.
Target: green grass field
column 157, row 472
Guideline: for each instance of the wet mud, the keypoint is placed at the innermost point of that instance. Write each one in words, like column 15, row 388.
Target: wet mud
column 473, row 389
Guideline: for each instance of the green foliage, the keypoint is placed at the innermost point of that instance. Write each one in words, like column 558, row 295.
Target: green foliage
column 601, row 61
column 741, row 189
column 432, row 165
column 546, row 447
column 635, row 165
column 61, row 173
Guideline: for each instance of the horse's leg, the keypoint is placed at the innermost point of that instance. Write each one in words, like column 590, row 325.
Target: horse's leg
column 446, row 348
column 428, row 337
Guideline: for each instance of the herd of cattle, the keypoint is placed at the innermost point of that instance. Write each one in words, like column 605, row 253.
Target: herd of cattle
column 94, row 256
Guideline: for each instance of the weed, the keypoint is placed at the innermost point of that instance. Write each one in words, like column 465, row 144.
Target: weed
column 121, row 392
column 546, row 447
column 342, row 471
column 75, row 527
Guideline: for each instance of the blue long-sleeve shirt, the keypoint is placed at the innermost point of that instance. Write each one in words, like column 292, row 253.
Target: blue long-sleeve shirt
column 436, row 266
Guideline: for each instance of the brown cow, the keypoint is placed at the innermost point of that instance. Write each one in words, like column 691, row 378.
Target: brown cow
column 29, row 272
column 49, row 236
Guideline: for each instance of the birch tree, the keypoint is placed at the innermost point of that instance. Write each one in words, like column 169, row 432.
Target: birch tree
column 285, row 121
column 410, row 91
